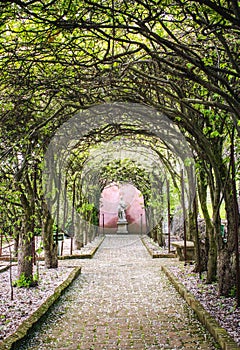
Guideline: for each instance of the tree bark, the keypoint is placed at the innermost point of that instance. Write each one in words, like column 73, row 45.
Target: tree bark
column 212, row 255
column 50, row 247
column 191, row 227
column 160, row 236
column 214, row 234
column 209, row 261
column 227, row 258
column 16, row 236
column 78, row 229
column 25, row 252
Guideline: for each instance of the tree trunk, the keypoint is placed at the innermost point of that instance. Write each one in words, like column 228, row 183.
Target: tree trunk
column 78, row 229
column 214, row 233
column 227, row 258
column 50, row 247
column 160, row 236
column 191, row 227
column 191, row 193
column 199, row 265
column 16, row 236
column 25, row 258
column 210, row 259
column 154, row 234
column 26, row 236
column 212, row 255
column 25, row 253
column 147, row 213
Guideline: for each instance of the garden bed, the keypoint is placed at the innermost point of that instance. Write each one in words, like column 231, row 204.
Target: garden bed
column 155, row 250
column 222, row 309
column 29, row 304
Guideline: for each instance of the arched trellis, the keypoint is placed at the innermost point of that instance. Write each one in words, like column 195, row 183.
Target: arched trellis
column 103, row 123
column 96, row 172
column 92, row 175
column 167, row 70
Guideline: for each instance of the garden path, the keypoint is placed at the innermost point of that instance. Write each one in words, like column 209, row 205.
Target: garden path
column 121, row 300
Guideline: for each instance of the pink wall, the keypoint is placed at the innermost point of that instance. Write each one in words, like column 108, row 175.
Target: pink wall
column 109, row 207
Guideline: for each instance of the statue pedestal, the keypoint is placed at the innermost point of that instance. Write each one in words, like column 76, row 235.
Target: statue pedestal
column 122, row 226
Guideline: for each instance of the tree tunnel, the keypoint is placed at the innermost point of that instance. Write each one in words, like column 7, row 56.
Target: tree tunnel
column 122, row 144
column 79, row 57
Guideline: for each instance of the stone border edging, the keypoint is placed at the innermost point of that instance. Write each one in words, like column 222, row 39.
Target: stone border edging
column 155, row 255
column 82, row 256
column 220, row 334
column 11, row 341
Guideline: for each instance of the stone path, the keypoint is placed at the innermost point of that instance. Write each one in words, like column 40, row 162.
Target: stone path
column 121, row 300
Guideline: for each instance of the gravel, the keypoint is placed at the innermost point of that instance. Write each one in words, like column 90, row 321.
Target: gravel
column 223, row 309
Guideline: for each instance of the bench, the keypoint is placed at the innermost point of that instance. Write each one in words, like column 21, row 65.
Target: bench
column 190, row 254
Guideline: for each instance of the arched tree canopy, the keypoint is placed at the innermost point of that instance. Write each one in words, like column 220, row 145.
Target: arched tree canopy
column 115, row 142
column 178, row 60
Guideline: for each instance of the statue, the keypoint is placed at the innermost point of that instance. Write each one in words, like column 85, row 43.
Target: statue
column 121, row 210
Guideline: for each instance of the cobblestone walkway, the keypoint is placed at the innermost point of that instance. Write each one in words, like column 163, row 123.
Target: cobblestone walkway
column 121, row 301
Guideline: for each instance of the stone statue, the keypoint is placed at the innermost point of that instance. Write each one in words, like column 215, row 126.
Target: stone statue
column 121, row 210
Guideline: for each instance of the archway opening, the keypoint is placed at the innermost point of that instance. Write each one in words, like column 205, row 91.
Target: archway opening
column 135, row 208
